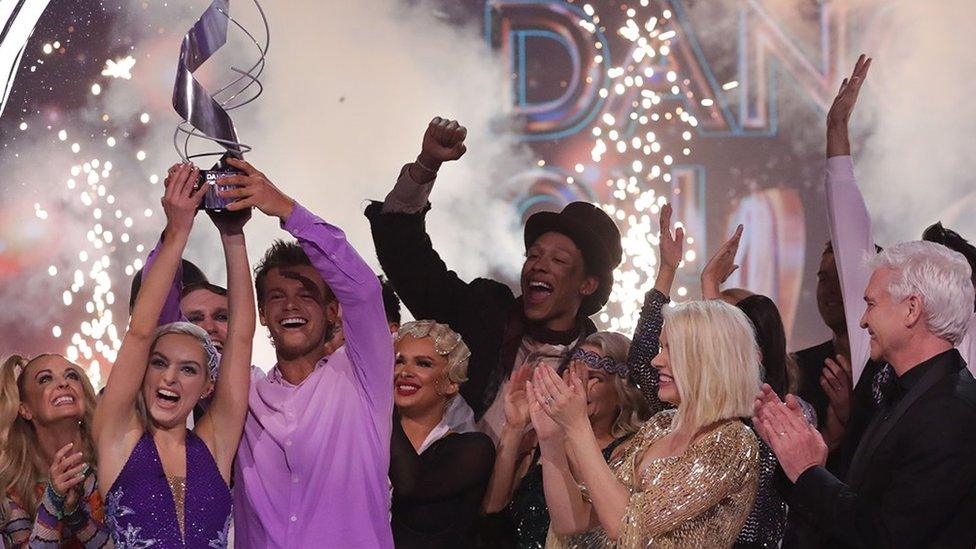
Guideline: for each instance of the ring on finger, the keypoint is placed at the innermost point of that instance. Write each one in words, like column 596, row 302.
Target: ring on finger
column 550, row 400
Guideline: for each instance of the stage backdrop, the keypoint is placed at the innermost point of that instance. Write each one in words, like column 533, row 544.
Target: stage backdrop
column 717, row 107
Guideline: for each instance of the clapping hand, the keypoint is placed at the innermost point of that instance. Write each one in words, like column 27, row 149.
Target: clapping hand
column 516, row 398
column 783, row 426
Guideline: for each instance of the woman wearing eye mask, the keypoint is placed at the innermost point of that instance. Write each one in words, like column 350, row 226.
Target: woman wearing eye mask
column 164, row 485
column 46, row 456
column 615, row 408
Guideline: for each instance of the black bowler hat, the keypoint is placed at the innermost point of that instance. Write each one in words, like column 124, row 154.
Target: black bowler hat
column 594, row 233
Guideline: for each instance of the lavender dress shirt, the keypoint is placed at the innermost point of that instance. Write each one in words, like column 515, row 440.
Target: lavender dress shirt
column 312, row 465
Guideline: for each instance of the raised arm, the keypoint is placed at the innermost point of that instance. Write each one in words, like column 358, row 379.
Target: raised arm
column 647, row 335
column 354, row 284
column 171, row 307
column 421, row 278
column 116, row 412
column 850, row 225
column 222, row 425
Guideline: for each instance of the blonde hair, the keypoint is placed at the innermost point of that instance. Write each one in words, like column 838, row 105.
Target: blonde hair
column 21, row 463
column 447, row 343
column 633, row 408
column 187, row 328
column 715, row 361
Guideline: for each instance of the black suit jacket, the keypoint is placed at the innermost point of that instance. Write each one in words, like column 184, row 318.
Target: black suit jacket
column 912, row 478
column 484, row 312
column 810, row 362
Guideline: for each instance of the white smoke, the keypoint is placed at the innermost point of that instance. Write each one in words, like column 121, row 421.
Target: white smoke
column 349, row 90
column 915, row 163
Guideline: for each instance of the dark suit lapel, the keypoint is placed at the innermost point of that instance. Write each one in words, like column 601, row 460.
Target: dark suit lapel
column 887, row 418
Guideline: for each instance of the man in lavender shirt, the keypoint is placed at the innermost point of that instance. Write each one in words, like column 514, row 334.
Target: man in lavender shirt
column 312, row 466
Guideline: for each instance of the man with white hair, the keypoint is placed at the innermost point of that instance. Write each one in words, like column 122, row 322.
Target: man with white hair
column 912, row 478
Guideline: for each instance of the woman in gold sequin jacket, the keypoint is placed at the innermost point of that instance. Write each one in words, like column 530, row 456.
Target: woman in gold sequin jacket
column 688, row 478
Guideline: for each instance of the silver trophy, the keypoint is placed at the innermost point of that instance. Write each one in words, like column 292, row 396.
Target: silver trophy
column 206, row 115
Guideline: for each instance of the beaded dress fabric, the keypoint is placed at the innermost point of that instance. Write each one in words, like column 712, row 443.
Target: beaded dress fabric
column 698, row 499
column 142, row 509
column 766, row 523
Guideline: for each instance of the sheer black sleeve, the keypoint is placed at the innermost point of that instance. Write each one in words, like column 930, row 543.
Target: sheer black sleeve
column 453, row 465
column 643, row 349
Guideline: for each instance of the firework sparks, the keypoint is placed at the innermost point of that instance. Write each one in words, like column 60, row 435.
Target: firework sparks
column 119, row 68
column 636, row 164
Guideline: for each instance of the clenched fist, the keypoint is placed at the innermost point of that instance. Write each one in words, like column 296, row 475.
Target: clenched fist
column 443, row 142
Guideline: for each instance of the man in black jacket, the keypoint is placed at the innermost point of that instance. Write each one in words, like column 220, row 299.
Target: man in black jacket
column 912, row 479
column 566, row 277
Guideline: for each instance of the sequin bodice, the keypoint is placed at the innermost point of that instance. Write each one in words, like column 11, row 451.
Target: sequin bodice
column 698, row 499
column 143, row 507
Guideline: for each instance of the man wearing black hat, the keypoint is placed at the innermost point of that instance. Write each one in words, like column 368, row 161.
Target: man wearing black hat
column 566, row 277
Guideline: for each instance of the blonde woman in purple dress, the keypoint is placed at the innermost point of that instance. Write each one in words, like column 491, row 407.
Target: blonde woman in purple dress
column 166, row 486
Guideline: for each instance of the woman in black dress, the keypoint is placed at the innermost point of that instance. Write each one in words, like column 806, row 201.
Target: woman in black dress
column 439, row 464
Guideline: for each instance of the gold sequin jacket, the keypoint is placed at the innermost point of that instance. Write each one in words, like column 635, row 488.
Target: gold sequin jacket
column 698, row 499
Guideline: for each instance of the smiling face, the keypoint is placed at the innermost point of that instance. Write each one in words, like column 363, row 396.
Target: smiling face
column 297, row 309
column 667, row 390
column 207, row 310
column 884, row 318
column 176, row 379
column 554, row 281
column 52, row 391
column 420, row 378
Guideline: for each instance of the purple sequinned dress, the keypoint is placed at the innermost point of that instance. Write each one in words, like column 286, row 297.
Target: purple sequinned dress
column 140, row 506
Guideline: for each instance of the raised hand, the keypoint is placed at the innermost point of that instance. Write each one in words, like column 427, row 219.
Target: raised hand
column 838, row 142
column 843, row 105
column 671, row 247
column 180, row 200
column 255, row 190
column 516, row 399
column 721, row 266
column 443, row 142
column 67, row 473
